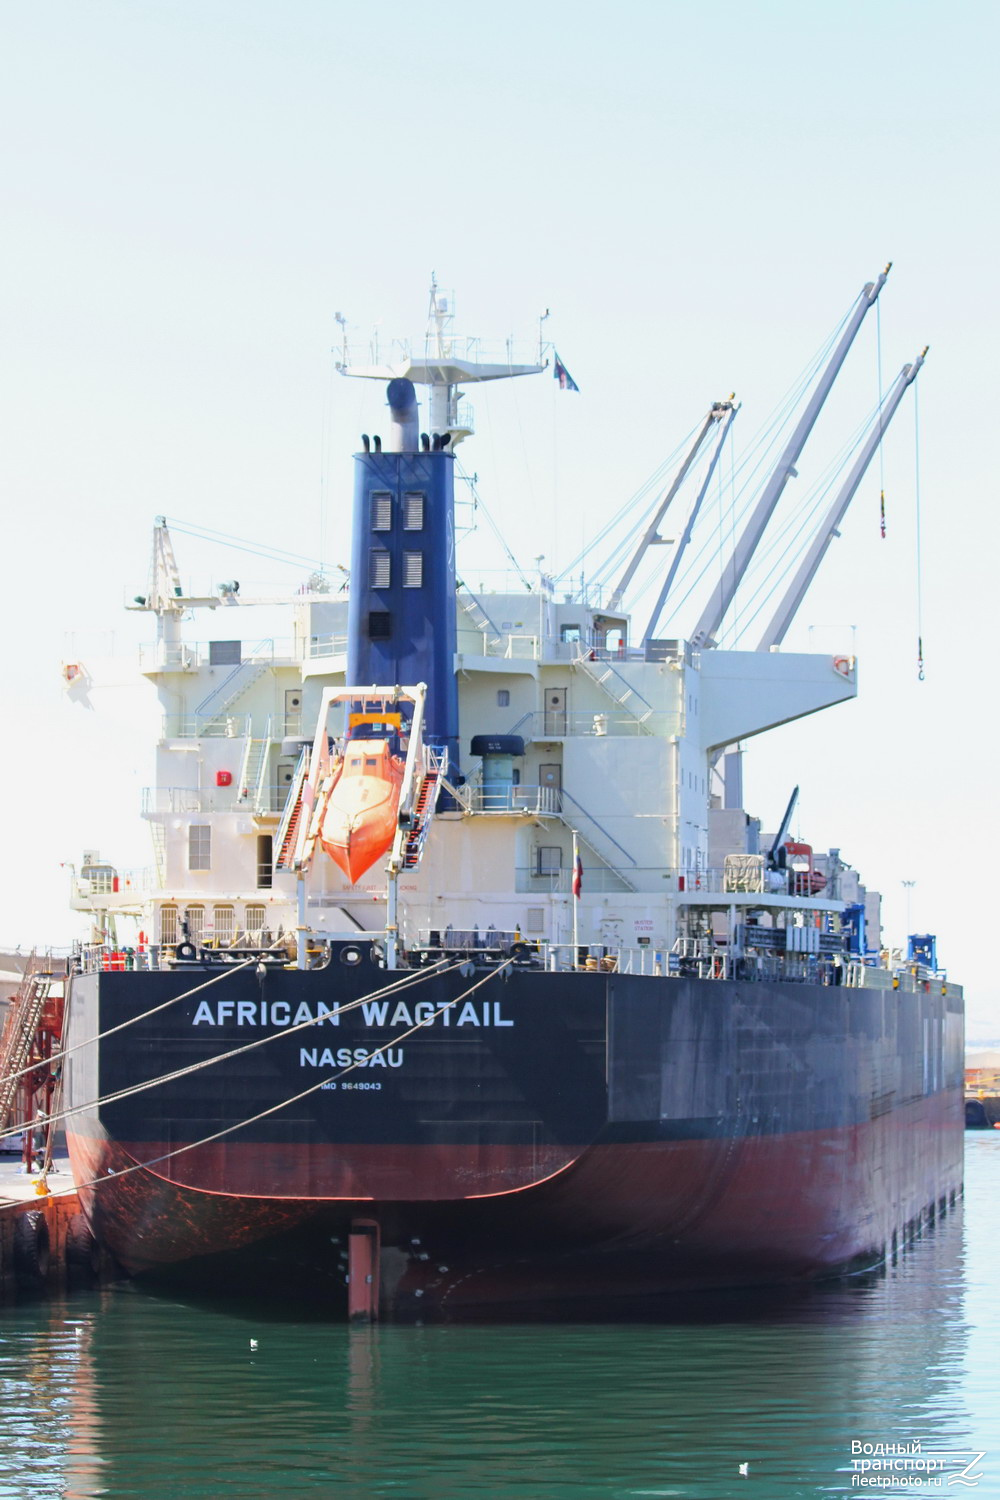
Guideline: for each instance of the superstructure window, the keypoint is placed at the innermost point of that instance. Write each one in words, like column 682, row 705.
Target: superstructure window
column 379, row 625
column 379, row 568
column 503, row 697
column 168, row 925
column 255, row 920
column 194, row 916
column 413, row 570
column 381, row 510
column 549, row 859
column 199, row 846
column 413, row 511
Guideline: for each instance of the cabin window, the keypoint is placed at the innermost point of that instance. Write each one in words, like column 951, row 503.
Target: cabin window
column 265, row 861
column 168, row 925
column 548, row 859
column 381, row 512
column 379, row 625
column 413, row 511
column 224, row 918
column 503, row 698
column 413, row 570
column 194, row 916
column 199, row 847
column 371, row 760
column 379, row 568
column 225, row 653
column 569, row 633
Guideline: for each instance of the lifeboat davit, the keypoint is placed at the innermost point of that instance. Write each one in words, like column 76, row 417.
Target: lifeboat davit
column 359, row 822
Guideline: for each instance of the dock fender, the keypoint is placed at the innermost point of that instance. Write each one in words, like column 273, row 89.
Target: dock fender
column 31, row 1248
column 83, row 1254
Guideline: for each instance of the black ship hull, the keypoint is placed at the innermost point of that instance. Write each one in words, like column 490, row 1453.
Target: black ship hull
column 546, row 1136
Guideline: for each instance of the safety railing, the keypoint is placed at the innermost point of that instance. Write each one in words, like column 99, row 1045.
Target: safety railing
column 113, row 886
column 529, row 880
column 599, row 724
column 265, row 801
column 189, row 656
column 505, row 798
column 191, row 726
column 327, row 645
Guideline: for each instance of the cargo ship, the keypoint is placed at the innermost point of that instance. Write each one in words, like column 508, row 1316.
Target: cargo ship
column 464, row 980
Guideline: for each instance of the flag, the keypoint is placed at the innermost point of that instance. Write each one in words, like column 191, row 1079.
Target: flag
column 565, row 379
column 578, row 877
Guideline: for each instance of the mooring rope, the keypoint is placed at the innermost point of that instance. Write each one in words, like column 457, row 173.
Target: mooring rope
column 263, row 1114
column 407, row 982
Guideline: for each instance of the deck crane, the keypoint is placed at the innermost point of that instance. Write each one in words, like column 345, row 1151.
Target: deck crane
column 714, row 613
column 650, row 537
column 774, row 859
column 785, row 613
column 725, row 413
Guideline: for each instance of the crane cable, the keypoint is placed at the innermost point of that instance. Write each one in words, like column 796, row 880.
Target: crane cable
column 881, row 452
column 919, row 561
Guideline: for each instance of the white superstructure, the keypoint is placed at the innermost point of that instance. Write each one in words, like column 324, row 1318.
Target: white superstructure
column 577, row 734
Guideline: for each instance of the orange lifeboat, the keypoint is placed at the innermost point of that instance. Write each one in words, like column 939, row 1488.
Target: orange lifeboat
column 359, row 822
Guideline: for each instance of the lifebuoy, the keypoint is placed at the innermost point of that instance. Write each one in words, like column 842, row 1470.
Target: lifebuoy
column 842, row 664
column 31, row 1248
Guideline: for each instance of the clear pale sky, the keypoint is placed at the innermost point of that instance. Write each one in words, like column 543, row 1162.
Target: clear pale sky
column 192, row 190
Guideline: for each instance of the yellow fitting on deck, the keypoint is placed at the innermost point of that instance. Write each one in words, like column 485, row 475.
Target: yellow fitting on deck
column 41, row 1187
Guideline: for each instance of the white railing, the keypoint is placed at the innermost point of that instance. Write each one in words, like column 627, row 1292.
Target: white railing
column 264, row 801
column 188, row 656
column 327, row 645
column 191, row 727
column 504, row 798
column 111, row 887
column 556, row 724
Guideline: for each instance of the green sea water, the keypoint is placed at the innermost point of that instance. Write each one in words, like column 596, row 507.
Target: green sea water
column 124, row 1393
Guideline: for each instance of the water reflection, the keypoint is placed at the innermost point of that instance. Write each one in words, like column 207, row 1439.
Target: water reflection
column 120, row 1393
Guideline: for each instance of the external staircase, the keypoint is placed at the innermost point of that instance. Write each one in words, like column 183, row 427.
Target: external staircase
column 216, row 703
column 423, row 809
column 292, row 816
column 597, row 838
column 254, row 787
column 471, row 606
column 18, row 1040
column 618, row 689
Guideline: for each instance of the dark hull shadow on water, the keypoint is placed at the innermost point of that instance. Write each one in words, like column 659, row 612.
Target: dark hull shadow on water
column 205, row 1285
column 803, row 1302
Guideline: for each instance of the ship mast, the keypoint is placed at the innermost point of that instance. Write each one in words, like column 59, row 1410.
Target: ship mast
column 166, row 598
column 440, row 369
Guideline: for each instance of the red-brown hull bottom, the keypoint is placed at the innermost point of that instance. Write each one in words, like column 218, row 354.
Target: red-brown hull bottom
column 623, row 1219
